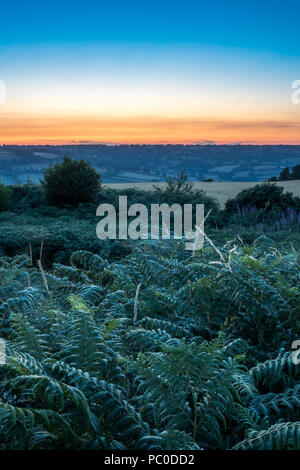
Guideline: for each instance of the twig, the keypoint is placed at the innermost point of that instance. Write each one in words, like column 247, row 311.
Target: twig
column 215, row 248
column 41, row 249
column 198, row 231
column 41, row 269
column 30, row 254
column 136, row 301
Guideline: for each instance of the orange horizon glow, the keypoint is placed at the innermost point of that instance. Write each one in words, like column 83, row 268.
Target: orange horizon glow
column 18, row 129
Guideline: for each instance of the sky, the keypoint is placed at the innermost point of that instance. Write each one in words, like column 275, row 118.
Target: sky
column 150, row 72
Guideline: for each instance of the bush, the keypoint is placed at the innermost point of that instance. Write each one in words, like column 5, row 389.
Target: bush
column 5, row 195
column 267, row 196
column 71, row 182
column 182, row 192
column 27, row 196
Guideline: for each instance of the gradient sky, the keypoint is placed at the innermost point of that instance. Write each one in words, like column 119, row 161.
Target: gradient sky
column 150, row 72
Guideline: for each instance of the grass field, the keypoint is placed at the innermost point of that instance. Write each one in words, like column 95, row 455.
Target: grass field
column 219, row 190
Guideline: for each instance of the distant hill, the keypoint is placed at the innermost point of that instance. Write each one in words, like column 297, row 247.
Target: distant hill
column 153, row 163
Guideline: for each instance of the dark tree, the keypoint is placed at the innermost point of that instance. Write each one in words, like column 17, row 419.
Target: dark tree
column 71, row 182
column 267, row 196
column 285, row 174
column 295, row 172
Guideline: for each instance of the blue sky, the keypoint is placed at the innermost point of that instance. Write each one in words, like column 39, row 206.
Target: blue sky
column 260, row 25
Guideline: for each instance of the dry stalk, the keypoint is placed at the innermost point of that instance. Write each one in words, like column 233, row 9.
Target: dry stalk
column 30, row 254
column 198, row 231
column 228, row 265
column 41, row 269
column 136, row 302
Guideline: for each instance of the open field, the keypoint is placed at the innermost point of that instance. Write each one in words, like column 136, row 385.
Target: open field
column 219, row 190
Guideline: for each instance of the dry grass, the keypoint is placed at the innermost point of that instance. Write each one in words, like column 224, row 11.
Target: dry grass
column 221, row 191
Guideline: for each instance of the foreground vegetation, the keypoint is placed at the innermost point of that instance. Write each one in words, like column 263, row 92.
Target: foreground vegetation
column 143, row 345
column 158, row 350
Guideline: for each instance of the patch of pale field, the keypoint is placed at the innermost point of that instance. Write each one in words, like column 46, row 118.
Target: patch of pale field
column 222, row 191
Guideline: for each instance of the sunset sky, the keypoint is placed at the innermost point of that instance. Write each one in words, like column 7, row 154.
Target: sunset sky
column 150, row 72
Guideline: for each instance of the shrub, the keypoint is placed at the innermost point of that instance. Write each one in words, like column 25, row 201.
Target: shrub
column 178, row 185
column 71, row 182
column 27, row 196
column 266, row 196
column 5, row 195
column 180, row 191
